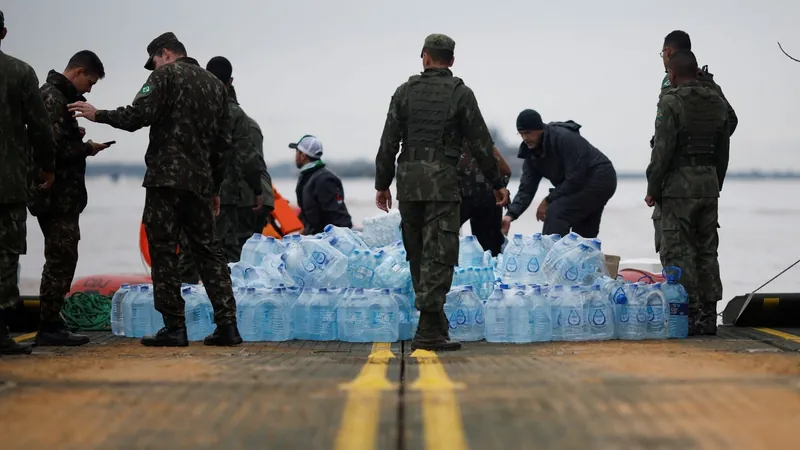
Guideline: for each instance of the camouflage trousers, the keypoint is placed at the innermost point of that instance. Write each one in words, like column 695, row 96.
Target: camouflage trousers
column 225, row 229
column 657, row 226
column 168, row 213
column 251, row 222
column 61, row 236
column 430, row 237
column 13, row 235
column 689, row 241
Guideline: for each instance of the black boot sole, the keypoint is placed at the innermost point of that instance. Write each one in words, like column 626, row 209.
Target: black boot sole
column 223, row 344
column 26, row 350
column 164, row 344
column 46, row 343
column 448, row 347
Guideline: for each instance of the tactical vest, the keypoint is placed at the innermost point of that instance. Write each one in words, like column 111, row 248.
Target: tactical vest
column 697, row 139
column 430, row 100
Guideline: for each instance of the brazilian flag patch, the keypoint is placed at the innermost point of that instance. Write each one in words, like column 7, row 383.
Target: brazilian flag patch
column 145, row 90
column 665, row 83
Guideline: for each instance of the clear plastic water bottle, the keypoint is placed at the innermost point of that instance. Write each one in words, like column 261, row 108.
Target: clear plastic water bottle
column 250, row 315
column 540, row 316
column 518, row 309
column 678, row 300
column 657, row 313
column 599, row 314
column 361, row 268
column 117, row 321
column 573, row 322
column 513, row 265
column 301, row 314
column 322, row 325
column 533, row 255
column 199, row 313
column 352, row 317
column 127, row 311
column 249, row 255
column 496, row 315
column 631, row 318
column 555, row 296
column 384, row 316
column 406, row 325
column 277, row 314
column 470, row 252
column 464, row 312
column 394, row 271
column 343, row 239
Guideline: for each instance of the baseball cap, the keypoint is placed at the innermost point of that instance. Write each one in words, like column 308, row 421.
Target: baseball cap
column 156, row 45
column 2, row 20
column 309, row 145
column 439, row 42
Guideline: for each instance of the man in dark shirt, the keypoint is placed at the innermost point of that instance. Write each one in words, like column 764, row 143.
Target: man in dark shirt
column 320, row 194
column 583, row 176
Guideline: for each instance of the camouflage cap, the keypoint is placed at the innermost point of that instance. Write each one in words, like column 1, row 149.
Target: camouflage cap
column 156, row 45
column 2, row 20
column 440, row 42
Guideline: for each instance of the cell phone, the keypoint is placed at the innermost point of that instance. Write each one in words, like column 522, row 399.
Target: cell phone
column 109, row 143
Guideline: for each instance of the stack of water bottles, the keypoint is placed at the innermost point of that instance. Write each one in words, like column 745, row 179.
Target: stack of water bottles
column 335, row 286
column 549, row 288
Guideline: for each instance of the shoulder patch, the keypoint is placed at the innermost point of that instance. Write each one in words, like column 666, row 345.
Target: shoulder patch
column 659, row 116
column 145, row 90
column 665, row 83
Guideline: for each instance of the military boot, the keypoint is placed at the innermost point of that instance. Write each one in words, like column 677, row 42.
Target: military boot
column 429, row 335
column 167, row 337
column 56, row 334
column 706, row 324
column 226, row 335
column 9, row 346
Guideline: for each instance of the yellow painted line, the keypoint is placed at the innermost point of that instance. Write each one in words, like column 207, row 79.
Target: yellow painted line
column 440, row 411
column 362, row 412
column 25, row 337
column 781, row 334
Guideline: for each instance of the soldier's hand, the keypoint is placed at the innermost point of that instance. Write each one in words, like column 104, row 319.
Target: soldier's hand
column 82, row 131
column 83, row 109
column 47, row 179
column 649, row 200
column 505, row 225
column 215, row 202
column 96, row 147
column 501, row 197
column 259, row 203
column 383, row 200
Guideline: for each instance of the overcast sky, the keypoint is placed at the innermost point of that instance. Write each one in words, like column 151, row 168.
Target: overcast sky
column 329, row 68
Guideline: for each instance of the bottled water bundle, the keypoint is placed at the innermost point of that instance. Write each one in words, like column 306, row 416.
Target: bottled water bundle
column 382, row 229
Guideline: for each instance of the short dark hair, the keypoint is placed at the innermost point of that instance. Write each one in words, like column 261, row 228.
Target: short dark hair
column 220, row 67
column 89, row 62
column 175, row 47
column 438, row 55
column 683, row 64
column 678, row 40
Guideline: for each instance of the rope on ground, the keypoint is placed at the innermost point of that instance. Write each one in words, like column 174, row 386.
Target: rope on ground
column 87, row 312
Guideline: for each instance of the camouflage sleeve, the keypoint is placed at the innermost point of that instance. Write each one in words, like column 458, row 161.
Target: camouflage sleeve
column 222, row 152
column 147, row 106
column 385, row 160
column 69, row 147
column 480, row 142
column 665, row 144
column 722, row 153
column 245, row 153
column 528, row 185
column 40, row 132
column 733, row 120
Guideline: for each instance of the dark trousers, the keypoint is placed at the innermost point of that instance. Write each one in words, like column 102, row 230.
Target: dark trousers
column 430, row 236
column 13, row 235
column 168, row 213
column 226, row 231
column 61, row 236
column 581, row 211
column 484, row 219
column 251, row 222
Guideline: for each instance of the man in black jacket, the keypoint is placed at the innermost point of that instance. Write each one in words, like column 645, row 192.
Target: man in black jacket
column 320, row 194
column 583, row 176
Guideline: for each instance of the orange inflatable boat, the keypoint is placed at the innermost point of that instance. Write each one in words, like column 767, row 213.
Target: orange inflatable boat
column 636, row 275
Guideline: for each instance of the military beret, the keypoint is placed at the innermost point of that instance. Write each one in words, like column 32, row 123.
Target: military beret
column 2, row 20
column 156, row 45
column 439, row 42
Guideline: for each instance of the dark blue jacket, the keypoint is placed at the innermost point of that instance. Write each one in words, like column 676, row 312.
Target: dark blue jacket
column 320, row 196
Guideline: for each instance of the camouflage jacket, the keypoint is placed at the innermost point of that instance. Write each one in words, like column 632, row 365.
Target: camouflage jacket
column 447, row 100
column 473, row 182
column 243, row 170
column 246, row 194
column 68, row 194
column 187, row 110
column 707, row 79
column 691, row 145
column 24, row 124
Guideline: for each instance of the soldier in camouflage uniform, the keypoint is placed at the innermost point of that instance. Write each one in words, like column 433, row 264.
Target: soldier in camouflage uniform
column 477, row 200
column 58, row 209
column 244, row 167
column 24, row 122
column 252, row 220
column 186, row 108
column 685, row 175
column 431, row 114
column 674, row 41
